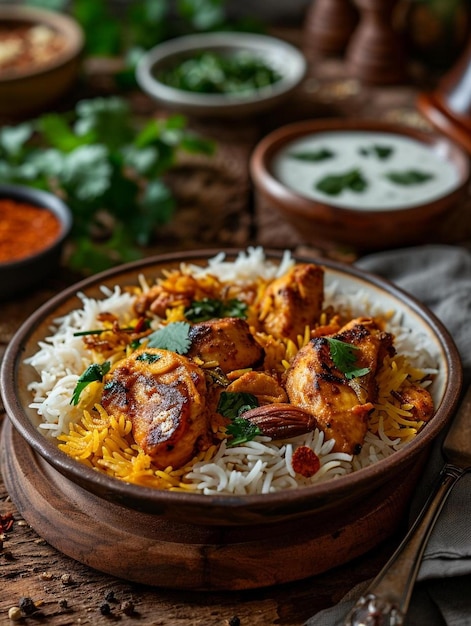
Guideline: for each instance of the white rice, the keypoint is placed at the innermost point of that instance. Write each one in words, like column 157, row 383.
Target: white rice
column 258, row 466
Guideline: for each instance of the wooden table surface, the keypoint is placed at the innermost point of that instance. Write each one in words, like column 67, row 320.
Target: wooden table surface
column 67, row 592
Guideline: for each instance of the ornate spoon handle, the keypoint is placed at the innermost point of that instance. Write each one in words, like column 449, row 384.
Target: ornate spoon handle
column 386, row 600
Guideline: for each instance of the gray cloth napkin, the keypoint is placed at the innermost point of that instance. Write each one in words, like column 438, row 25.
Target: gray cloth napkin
column 440, row 277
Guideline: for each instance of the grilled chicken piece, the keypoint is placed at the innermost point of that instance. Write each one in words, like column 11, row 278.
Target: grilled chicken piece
column 263, row 386
column 373, row 345
column 293, row 301
column 421, row 402
column 226, row 341
column 341, row 406
column 163, row 394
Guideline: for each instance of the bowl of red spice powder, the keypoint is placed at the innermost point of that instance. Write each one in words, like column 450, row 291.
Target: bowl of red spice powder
column 34, row 225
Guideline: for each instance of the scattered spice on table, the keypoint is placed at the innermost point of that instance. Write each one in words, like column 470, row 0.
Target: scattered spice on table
column 25, row 229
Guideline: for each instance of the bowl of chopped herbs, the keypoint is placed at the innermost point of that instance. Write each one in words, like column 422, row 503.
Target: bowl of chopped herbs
column 221, row 74
column 361, row 184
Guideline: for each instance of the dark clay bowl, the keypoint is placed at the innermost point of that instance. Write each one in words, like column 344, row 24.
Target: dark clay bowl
column 325, row 221
column 18, row 276
column 210, row 542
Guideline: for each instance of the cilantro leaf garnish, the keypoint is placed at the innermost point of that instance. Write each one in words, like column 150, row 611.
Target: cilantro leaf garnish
column 173, row 337
column 344, row 358
column 211, row 308
column 94, row 372
column 313, row 156
column 233, row 405
column 334, row 184
column 148, row 357
column 409, row 177
column 381, row 152
column 241, row 431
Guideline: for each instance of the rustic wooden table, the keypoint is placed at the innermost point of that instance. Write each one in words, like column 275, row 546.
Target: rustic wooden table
column 216, row 209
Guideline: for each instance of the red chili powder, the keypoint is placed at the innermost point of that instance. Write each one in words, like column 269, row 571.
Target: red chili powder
column 25, row 229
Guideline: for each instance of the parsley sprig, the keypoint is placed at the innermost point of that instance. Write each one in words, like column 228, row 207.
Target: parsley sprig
column 173, row 337
column 93, row 373
column 233, row 405
column 344, row 357
column 109, row 170
column 211, row 308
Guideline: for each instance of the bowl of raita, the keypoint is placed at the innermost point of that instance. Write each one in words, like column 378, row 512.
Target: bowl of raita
column 266, row 407
column 369, row 185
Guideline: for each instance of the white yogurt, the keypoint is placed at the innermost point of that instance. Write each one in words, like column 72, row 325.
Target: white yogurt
column 380, row 193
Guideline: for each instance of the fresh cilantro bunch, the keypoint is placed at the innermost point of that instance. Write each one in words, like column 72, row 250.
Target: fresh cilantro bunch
column 106, row 169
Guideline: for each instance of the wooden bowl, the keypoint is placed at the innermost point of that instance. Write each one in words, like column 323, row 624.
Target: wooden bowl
column 401, row 216
column 24, row 273
column 287, row 60
column 31, row 88
column 186, row 540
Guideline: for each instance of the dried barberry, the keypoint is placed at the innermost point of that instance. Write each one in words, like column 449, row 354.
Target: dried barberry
column 305, row 461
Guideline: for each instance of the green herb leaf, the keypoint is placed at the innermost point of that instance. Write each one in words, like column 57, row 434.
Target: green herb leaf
column 173, row 337
column 148, row 357
column 334, row 184
column 107, row 170
column 241, row 73
column 241, row 431
column 93, row 373
column 381, row 152
column 409, row 177
column 344, row 358
column 313, row 155
column 209, row 308
column 233, row 405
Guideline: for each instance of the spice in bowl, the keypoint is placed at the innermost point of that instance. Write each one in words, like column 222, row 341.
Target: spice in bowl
column 27, row 46
column 25, row 229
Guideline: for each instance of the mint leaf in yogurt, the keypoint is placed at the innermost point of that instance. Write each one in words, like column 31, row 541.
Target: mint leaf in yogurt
column 313, row 156
column 334, row 184
column 409, row 177
column 381, row 152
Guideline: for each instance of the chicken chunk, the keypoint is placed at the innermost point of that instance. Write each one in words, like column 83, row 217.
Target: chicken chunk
column 371, row 346
column 420, row 401
column 227, row 342
column 293, row 301
column 263, row 386
column 163, row 394
column 341, row 406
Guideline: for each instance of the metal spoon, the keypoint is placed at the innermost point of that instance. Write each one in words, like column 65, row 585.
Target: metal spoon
column 386, row 600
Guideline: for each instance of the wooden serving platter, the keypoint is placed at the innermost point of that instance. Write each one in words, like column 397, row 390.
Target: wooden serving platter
column 145, row 548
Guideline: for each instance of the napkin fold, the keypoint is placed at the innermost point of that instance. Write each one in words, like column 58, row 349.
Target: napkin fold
column 440, row 277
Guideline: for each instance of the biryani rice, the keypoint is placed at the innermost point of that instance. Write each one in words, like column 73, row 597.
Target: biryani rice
column 260, row 466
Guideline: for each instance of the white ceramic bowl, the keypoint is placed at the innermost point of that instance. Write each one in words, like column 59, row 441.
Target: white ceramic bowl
column 277, row 54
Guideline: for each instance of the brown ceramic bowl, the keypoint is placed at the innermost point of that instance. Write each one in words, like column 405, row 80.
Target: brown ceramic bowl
column 399, row 215
column 31, row 88
column 25, row 273
column 207, row 542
